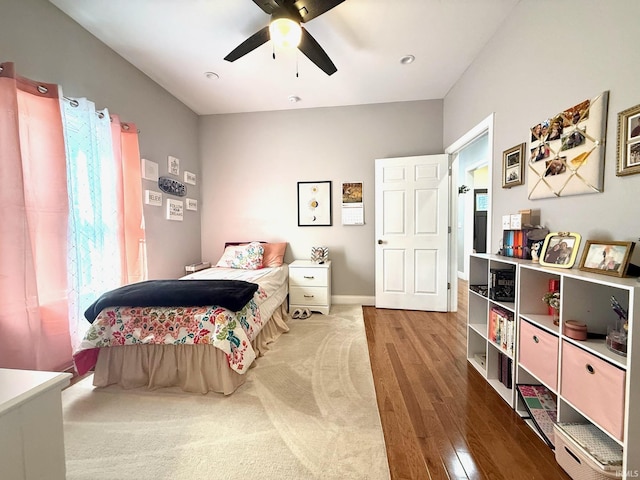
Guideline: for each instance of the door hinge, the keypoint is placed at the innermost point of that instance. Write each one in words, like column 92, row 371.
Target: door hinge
column 448, row 285
column 449, row 229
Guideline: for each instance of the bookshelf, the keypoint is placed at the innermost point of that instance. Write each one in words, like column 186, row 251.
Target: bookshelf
column 590, row 383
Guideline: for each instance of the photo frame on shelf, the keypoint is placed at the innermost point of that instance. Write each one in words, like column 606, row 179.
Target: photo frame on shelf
column 513, row 166
column 566, row 151
column 559, row 249
column 314, row 204
column 606, row 257
column 628, row 151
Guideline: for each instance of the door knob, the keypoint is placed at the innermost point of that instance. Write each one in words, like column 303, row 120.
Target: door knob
column 380, row 242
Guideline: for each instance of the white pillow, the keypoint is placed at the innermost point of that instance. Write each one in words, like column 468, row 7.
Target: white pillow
column 246, row 257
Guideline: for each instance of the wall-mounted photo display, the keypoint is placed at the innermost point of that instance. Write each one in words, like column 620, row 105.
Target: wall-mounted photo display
column 566, row 151
column 628, row 141
column 175, row 210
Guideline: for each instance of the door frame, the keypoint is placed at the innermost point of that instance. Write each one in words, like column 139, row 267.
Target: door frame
column 485, row 126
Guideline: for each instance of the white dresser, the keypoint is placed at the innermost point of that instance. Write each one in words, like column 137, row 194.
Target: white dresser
column 31, row 433
column 310, row 286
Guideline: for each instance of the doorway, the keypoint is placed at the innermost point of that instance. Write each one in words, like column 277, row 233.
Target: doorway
column 470, row 171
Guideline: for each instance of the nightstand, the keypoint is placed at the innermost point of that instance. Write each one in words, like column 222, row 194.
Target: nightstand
column 310, row 286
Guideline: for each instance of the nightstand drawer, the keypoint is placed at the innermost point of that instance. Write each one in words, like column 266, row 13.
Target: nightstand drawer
column 309, row 277
column 308, row 296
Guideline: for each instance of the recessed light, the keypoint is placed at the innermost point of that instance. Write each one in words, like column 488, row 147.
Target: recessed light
column 294, row 99
column 211, row 75
column 407, row 59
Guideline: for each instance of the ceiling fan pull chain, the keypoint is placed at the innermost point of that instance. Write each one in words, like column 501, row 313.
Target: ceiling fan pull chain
column 297, row 69
column 274, row 51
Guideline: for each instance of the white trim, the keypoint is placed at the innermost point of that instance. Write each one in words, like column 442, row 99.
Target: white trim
column 485, row 126
column 353, row 300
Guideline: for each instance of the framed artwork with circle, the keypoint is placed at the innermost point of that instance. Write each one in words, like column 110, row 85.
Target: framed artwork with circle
column 314, row 204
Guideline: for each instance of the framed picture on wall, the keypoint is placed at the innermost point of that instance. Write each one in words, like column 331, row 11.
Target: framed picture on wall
column 314, row 204
column 628, row 141
column 513, row 166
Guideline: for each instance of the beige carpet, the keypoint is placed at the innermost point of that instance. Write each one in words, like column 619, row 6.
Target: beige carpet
column 307, row 411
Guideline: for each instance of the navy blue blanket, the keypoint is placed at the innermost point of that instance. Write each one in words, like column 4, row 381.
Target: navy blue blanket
column 230, row 294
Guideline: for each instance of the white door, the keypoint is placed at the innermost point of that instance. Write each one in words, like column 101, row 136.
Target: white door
column 412, row 233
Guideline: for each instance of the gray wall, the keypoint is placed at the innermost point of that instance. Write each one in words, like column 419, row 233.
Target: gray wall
column 48, row 46
column 549, row 55
column 252, row 163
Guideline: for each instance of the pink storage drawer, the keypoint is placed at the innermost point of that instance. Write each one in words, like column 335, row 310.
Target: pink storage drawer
column 595, row 387
column 539, row 353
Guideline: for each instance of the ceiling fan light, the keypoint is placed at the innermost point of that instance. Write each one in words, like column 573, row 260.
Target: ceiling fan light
column 285, row 32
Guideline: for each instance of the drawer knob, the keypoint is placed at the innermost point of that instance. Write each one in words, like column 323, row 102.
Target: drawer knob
column 310, row 278
column 536, row 339
column 590, row 369
column 308, row 296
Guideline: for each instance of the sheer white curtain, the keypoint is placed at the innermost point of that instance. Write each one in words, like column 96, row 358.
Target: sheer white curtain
column 93, row 245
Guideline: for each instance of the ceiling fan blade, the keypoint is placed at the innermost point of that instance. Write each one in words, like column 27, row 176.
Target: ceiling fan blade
column 310, row 9
column 267, row 6
column 315, row 53
column 250, row 44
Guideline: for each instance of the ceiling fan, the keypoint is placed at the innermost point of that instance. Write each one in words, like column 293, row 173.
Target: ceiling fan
column 285, row 29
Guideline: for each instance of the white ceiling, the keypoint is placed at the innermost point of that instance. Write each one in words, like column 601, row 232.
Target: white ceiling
column 175, row 42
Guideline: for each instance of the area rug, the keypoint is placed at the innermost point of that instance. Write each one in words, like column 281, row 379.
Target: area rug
column 307, row 411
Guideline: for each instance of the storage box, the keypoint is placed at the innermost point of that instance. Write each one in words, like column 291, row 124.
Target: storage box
column 586, row 453
column 595, row 387
column 539, row 353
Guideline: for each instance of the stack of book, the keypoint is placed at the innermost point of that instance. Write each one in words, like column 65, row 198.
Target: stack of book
column 505, row 370
column 502, row 329
column 516, row 243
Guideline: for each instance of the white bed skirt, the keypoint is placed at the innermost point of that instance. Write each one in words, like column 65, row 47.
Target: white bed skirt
column 193, row 368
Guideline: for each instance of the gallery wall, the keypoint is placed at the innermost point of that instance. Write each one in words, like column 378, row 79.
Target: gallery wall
column 546, row 57
column 252, row 162
column 48, row 46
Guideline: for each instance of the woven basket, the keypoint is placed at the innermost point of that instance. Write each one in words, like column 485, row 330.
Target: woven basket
column 586, row 453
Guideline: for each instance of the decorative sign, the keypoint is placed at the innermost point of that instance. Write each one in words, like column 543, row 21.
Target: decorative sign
column 189, row 178
column 151, row 197
column 172, row 187
column 192, row 204
column 173, row 165
column 149, row 170
column 175, row 210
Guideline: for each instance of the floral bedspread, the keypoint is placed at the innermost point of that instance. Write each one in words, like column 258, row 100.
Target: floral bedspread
column 231, row 332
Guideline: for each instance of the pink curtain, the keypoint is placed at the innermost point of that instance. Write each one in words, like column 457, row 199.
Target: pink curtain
column 34, row 328
column 129, row 190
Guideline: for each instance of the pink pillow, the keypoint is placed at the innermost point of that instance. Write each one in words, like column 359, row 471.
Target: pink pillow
column 273, row 255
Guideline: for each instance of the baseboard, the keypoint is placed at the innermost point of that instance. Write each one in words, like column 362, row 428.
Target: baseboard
column 353, row 300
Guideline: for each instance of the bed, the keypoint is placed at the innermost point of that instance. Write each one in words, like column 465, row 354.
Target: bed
column 199, row 348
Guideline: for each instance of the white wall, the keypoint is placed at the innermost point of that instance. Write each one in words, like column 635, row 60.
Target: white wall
column 549, row 55
column 252, row 163
column 48, row 46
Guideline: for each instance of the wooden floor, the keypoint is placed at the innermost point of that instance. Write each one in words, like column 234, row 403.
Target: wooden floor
column 441, row 419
